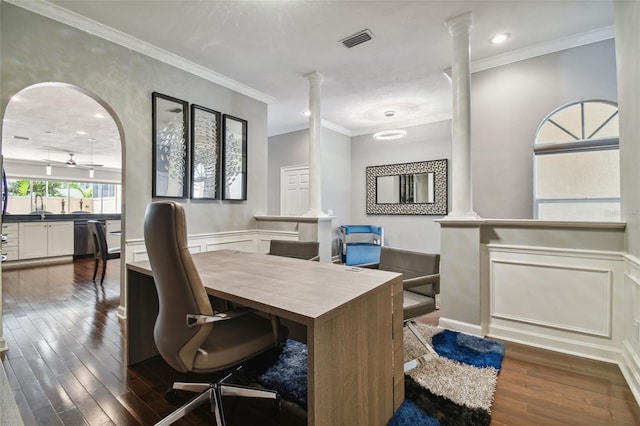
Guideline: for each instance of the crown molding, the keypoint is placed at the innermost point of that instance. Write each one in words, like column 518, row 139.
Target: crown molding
column 540, row 49
column 366, row 131
column 325, row 124
column 57, row 13
column 336, row 128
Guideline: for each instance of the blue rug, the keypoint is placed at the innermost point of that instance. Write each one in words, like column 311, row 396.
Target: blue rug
column 455, row 388
column 288, row 375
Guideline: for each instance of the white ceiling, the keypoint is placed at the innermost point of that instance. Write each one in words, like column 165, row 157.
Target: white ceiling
column 266, row 47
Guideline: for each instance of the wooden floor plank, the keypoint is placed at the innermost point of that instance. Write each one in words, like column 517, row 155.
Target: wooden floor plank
column 65, row 365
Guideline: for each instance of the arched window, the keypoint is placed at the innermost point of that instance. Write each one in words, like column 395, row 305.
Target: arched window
column 577, row 163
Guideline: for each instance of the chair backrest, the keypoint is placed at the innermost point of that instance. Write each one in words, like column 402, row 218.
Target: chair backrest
column 180, row 290
column 99, row 238
column 411, row 264
column 306, row 250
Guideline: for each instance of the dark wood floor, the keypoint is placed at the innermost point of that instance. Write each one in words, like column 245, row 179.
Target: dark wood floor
column 66, row 351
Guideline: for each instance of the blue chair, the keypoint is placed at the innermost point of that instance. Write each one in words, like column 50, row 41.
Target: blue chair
column 360, row 244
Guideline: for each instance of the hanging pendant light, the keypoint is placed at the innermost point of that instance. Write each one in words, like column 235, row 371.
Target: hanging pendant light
column 47, row 168
column 91, row 171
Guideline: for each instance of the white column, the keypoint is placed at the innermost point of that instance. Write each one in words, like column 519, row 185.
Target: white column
column 461, row 198
column 315, row 144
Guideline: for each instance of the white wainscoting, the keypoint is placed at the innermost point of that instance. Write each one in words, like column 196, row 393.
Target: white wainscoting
column 630, row 364
column 561, row 299
column 253, row 240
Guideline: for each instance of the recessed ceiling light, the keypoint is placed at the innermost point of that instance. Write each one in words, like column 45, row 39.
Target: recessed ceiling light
column 387, row 135
column 389, row 114
column 98, row 115
column 307, row 113
column 499, row 38
column 81, row 132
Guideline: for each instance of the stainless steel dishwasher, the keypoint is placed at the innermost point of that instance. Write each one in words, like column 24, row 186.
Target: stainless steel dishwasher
column 82, row 242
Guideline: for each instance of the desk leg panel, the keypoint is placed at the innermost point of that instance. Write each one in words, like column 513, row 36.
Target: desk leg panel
column 142, row 311
column 351, row 363
column 398, row 343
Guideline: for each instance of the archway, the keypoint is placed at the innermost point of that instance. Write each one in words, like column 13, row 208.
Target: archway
column 46, row 122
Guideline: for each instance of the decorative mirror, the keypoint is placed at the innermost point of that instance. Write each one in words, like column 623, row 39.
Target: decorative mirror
column 205, row 152
column 409, row 188
column 169, row 159
column 234, row 159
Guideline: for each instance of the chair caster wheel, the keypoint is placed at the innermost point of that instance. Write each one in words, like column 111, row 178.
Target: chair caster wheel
column 171, row 395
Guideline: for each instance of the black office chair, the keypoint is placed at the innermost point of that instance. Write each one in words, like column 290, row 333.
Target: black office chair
column 187, row 333
column 101, row 251
column 307, row 250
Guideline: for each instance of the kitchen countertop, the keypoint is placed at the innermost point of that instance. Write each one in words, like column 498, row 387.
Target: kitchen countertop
column 35, row 217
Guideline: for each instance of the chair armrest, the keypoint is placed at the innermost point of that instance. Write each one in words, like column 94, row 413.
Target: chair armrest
column 193, row 319
column 418, row 281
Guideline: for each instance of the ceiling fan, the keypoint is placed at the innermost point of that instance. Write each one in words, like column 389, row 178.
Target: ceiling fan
column 71, row 162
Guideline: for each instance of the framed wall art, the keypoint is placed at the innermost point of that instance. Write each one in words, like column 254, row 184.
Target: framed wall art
column 205, row 153
column 419, row 188
column 234, row 158
column 170, row 147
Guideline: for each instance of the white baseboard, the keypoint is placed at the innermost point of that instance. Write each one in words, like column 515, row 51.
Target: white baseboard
column 122, row 312
column 464, row 327
column 14, row 264
column 3, row 345
column 583, row 349
column 630, row 367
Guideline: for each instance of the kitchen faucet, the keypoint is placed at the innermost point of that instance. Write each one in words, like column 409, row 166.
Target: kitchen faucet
column 41, row 206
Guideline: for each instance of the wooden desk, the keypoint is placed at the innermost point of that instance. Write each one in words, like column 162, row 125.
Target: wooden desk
column 355, row 370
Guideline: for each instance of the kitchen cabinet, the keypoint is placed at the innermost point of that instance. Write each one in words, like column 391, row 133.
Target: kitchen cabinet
column 45, row 239
column 113, row 233
column 10, row 247
column 60, row 239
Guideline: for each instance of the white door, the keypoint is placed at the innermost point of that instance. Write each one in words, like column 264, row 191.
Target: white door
column 294, row 190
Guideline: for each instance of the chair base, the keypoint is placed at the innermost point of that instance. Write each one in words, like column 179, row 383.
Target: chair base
column 431, row 353
column 213, row 393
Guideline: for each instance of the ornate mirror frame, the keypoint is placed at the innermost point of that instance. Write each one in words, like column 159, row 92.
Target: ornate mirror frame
column 441, row 177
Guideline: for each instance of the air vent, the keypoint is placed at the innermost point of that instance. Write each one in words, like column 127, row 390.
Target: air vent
column 356, row 39
column 22, row 138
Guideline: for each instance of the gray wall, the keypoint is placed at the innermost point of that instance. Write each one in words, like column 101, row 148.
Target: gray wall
column 289, row 149
column 336, row 179
column 36, row 49
column 292, row 149
column 507, row 105
column 425, row 142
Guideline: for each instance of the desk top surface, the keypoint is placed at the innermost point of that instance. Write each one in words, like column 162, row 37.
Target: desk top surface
column 299, row 290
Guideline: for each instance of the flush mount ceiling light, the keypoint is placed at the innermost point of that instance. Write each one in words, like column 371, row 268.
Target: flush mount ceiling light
column 387, row 135
column 499, row 38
